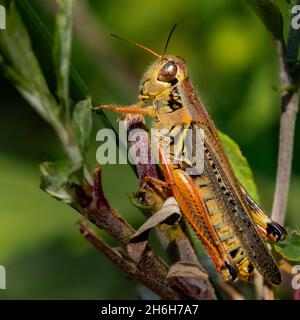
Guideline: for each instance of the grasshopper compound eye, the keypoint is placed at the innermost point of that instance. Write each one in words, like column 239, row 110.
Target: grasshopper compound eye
column 168, row 72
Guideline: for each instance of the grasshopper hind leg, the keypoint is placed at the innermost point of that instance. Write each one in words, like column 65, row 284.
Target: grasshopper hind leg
column 224, row 267
column 228, row 268
column 276, row 230
column 266, row 227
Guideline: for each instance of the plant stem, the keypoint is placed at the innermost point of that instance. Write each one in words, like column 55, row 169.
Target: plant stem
column 69, row 144
column 289, row 106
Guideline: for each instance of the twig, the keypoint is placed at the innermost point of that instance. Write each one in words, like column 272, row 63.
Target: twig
column 161, row 288
column 268, row 292
column 100, row 213
column 289, row 106
column 92, row 204
column 230, row 291
column 287, row 57
column 259, row 284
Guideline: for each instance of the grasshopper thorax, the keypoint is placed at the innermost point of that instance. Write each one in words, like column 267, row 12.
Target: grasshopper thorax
column 161, row 76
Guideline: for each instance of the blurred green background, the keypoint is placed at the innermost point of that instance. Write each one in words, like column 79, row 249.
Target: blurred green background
column 233, row 65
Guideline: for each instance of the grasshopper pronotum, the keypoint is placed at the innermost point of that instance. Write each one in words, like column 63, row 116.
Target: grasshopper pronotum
column 225, row 218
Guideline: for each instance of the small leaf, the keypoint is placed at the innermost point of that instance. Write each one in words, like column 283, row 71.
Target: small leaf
column 240, row 165
column 169, row 213
column 269, row 13
column 55, row 179
column 187, row 270
column 82, row 123
column 62, row 49
column 290, row 247
column 196, row 278
column 136, row 201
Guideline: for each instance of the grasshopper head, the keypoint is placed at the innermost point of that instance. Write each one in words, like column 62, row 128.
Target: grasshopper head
column 163, row 74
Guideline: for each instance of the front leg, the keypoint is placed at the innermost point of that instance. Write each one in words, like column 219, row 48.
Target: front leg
column 138, row 108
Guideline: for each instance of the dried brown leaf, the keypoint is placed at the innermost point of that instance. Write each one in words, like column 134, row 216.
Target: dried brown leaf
column 169, row 213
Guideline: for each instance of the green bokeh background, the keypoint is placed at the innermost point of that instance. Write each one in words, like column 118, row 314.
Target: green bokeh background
column 232, row 62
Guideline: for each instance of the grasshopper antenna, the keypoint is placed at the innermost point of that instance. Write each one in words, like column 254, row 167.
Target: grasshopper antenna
column 137, row 45
column 169, row 37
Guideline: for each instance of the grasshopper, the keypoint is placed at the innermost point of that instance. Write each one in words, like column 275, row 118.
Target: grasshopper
column 229, row 223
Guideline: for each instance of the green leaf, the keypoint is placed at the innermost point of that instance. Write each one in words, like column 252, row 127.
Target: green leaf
column 56, row 179
column 22, row 68
column 270, row 15
column 290, row 247
column 240, row 165
column 47, row 35
column 82, row 123
column 62, row 50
